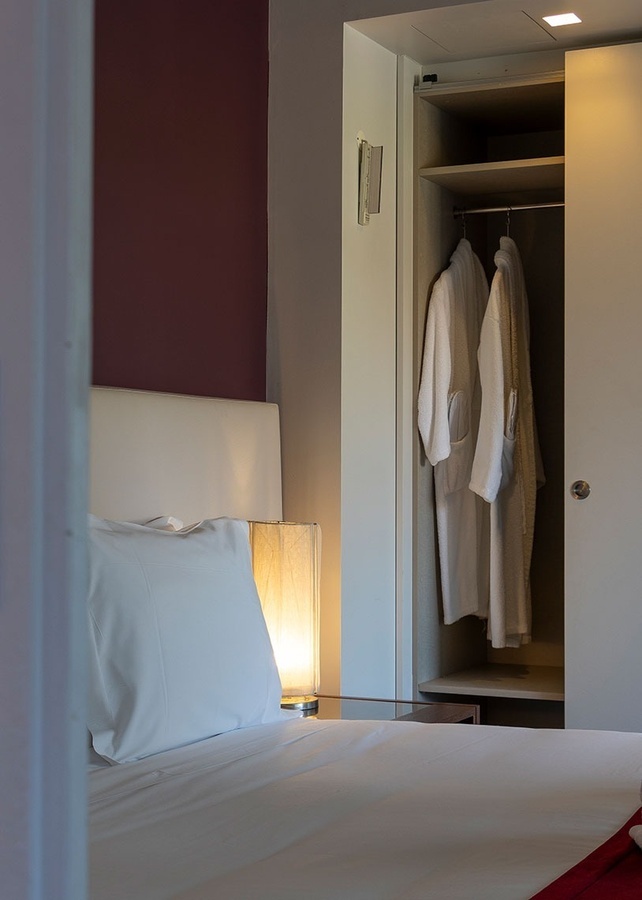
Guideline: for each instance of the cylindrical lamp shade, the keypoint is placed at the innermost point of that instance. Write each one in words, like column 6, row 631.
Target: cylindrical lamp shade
column 285, row 559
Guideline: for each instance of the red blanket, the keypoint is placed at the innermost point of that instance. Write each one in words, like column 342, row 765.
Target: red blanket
column 612, row 872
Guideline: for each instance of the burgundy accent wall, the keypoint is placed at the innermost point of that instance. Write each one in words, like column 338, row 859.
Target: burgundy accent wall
column 180, row 196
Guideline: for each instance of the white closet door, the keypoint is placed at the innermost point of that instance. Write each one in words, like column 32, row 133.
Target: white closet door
column 604, row 387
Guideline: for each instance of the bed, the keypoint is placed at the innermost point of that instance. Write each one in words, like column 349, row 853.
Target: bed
column 200, row 786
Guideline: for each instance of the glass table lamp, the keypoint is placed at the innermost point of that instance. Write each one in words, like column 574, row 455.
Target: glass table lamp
column 285, row 559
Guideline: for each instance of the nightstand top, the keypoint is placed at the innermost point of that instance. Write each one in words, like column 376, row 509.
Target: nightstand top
column 336, row 707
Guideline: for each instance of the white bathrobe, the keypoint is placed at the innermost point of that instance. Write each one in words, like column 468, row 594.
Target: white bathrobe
column 449, row 407
column 507, row 464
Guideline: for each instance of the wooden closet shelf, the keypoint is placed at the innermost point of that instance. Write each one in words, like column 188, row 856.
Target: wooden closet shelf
column 499, row 680
column 539, row 174
column 524, row 103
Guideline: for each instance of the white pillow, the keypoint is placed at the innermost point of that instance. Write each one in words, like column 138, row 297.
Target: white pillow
column 166, row 523
column 179, row 649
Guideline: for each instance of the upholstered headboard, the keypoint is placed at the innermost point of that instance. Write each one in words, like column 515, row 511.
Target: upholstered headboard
column 194, row 458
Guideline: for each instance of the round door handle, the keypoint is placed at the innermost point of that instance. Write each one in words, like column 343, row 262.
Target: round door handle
column 580, row 490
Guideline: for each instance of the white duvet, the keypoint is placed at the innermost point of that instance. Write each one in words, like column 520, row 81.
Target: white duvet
column 323, row 809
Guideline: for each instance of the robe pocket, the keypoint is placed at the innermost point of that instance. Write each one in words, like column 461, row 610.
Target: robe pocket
column 511, row 415
column 458, row 416
column 453, row 473
column 508, row 445
column 508, row 462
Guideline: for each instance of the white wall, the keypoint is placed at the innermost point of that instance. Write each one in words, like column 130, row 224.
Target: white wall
column 368, row 364
column 304, row 283
column 45, row 236
column 305, row 272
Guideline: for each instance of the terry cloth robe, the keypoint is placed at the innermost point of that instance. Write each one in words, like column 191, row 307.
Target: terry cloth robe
column 507, row 464
column 449, row 406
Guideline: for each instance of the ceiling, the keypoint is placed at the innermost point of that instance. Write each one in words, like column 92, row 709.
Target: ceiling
column 501, row 27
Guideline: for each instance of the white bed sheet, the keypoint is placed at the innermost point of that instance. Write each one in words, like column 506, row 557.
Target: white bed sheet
column 321, row 810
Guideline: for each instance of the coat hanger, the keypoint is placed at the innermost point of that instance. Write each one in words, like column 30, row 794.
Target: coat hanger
column 508, row 221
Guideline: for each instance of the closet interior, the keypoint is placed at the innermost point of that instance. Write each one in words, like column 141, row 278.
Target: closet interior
column 490, row 161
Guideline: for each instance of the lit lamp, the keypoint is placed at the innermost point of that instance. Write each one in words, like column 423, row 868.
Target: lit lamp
column 285, row 559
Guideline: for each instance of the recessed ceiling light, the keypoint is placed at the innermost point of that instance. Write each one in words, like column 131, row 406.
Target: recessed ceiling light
column 564, row 19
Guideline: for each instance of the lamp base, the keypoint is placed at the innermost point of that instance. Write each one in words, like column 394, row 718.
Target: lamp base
column 308, row 701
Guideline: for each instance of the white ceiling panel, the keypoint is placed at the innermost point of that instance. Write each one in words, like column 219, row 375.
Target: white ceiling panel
column 461, row 32
column 498, row 27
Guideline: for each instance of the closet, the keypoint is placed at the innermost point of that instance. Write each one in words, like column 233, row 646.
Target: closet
column 558, row 154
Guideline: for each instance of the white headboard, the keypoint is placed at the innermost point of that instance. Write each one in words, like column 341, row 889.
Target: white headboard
column 190, row 457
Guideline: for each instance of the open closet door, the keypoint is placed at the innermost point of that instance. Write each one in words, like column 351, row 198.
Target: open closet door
column 604, row 387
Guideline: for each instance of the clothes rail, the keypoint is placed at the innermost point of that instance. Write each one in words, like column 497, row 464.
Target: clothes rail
column 505, row 209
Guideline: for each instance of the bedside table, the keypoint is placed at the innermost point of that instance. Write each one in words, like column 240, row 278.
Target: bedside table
column 333, row 707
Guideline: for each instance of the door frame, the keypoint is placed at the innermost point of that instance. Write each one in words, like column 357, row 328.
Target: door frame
column 46, row 51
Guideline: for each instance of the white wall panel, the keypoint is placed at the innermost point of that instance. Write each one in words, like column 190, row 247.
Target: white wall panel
column 368, row 379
